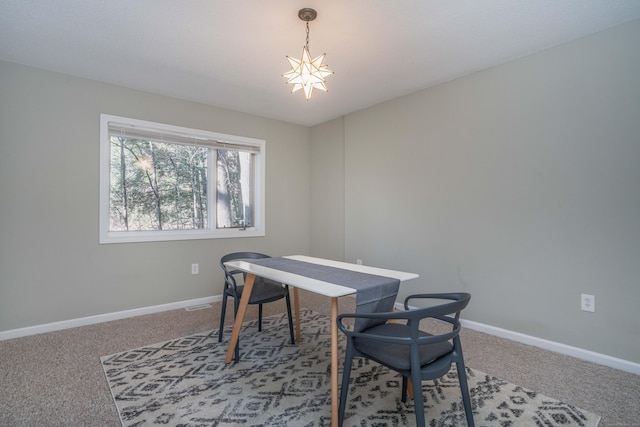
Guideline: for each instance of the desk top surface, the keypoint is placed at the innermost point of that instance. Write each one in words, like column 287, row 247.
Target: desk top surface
column 314, row 285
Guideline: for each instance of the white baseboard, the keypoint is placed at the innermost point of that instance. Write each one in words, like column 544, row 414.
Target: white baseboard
column 580, row 353
column 91, row 320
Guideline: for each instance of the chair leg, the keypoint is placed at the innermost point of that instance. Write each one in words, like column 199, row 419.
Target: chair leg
column 222, row 315
column 404, row 388
column 236, row 357
column 418, row 402
column 344, row 388
column 288, row 300
column 407, row 388
column 260, row 317
column 464, row 389
column 236, row 306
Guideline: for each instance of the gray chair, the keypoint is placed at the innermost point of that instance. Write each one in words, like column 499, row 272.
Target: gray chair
column 264, row 291
column 417, row 355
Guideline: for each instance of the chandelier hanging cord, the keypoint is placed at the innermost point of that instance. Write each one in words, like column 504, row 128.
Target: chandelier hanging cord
column 307, row 14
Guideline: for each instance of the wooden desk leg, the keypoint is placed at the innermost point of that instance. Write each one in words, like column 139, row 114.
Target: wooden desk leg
column 242, row 308
column 296, row 307
column 334, row 362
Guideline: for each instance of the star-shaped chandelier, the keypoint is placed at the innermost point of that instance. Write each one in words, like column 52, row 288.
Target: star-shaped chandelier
column 307, row 73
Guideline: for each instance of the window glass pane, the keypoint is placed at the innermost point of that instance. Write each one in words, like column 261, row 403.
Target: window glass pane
column 161, row 182
column 235, row 198
column 157, row 186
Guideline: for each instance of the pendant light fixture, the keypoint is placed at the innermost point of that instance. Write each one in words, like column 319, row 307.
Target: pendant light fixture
column 307, row 73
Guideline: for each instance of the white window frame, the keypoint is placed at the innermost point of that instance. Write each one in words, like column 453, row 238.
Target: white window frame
column 205, row 138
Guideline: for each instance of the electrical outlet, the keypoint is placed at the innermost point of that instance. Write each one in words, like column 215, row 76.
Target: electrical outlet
column 587, row 303
column 194, row 269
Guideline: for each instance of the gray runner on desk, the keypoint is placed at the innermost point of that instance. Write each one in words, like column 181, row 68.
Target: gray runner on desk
column 375, row 294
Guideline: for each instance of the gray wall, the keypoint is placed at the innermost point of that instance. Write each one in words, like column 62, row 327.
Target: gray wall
column 51, row 265
column 519, row 184
column 327, row 190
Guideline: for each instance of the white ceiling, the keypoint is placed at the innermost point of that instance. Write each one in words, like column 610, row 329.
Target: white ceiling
column 231, row 53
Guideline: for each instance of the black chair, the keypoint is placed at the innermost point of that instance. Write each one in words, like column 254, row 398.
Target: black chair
column 264, row 291
column 400, row 345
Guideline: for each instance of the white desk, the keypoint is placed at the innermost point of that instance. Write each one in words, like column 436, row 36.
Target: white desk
column 318, row 286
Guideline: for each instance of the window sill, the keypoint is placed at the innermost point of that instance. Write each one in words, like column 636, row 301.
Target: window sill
column 163, row 236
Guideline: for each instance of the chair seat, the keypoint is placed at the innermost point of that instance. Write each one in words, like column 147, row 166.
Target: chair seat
column 267, row 291
column 397, row 356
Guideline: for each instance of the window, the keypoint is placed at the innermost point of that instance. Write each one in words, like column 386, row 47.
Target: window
column 163, row 182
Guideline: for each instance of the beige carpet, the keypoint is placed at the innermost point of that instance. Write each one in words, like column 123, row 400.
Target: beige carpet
column 56, row 379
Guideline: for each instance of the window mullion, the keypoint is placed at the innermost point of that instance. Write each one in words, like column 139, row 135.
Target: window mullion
column 212, row 173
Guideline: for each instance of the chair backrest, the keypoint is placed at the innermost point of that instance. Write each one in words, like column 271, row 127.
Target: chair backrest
column 228, row 274
column 443, row 311
column 447, row 312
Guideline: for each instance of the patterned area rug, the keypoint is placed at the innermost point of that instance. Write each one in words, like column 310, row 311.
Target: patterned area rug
column 185, row 382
